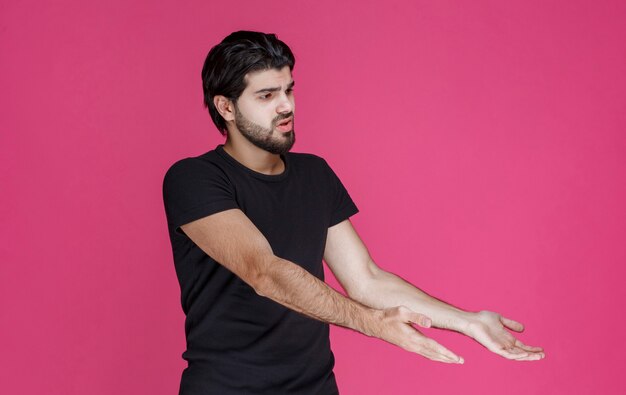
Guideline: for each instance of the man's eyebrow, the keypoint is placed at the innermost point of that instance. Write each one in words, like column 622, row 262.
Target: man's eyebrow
column 275, row 89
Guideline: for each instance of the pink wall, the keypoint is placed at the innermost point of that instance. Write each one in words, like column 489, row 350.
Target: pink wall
column 483, row 142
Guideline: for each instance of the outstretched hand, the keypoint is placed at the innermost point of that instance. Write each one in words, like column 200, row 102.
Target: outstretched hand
column 396, row 327
column 489, row 329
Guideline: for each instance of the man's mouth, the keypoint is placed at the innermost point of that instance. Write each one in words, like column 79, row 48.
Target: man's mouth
column 285, row 125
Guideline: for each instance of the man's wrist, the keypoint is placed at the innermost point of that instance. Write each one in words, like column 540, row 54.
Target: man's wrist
column 456, row 320
column 372, row 322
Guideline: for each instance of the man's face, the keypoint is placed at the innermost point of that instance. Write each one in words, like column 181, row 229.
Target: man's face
column 263, row 108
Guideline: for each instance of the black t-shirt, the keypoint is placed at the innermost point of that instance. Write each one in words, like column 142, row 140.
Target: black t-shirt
column 237, row 341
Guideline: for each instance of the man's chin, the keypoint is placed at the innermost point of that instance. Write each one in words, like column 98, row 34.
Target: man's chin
column 288, row 134
column 292, row 139
column 281, row 145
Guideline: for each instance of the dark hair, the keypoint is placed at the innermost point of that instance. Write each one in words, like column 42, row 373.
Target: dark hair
column 238, row 54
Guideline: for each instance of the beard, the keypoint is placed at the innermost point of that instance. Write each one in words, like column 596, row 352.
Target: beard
column 266, row 139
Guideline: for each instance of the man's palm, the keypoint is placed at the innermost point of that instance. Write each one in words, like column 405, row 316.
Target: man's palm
column 489, row 329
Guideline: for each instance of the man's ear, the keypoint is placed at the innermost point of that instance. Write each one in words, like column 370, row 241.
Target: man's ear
column 225, row 107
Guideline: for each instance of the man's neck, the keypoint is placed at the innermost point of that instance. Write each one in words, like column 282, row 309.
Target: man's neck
column 254, row 157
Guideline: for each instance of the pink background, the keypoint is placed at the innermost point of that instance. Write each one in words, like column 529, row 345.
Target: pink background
column 484, row 143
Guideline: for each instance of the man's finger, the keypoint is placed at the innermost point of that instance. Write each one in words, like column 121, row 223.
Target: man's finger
column 420, row 319
column 531, row 357
column 511, row 324
column 526, row 347
column 440, row 358
column 513, row 353
column 443, row 353
column 518, row 354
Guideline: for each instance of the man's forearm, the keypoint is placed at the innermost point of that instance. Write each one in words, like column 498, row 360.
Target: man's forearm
column 290, row 285
column 386, row 289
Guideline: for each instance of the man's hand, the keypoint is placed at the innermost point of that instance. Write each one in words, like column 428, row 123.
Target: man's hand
column 231, row 239
column 395, row 327
column 488, row 329
column 348, row 258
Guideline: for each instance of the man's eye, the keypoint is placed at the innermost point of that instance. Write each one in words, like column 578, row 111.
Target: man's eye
column 289, row 90
column 266, row 96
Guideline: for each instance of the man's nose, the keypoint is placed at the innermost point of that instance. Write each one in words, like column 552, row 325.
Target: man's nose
column 285, row 105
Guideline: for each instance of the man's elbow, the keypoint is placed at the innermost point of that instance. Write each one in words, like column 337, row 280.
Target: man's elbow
column 365, row 285
column 359, row 292
column 260, row 275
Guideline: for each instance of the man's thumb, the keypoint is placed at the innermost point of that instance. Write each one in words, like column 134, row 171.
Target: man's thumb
column 422, row 320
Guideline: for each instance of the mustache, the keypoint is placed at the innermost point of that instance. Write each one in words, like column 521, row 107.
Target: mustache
column 281, row 117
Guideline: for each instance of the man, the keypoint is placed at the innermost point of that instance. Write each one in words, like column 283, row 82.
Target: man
column 250, row 223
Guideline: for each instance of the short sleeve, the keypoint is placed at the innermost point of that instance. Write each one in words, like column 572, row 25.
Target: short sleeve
column 193, row 189
column 342, row 206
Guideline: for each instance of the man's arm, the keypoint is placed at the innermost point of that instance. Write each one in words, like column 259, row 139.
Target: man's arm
column 231, row 239
column 364, row 281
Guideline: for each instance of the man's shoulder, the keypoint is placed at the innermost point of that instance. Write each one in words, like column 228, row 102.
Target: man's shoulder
column 202, row 163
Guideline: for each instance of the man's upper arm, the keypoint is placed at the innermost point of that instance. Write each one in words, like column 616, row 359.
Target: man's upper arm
column 194, row 188
column 232, row 240
column 348, row 258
